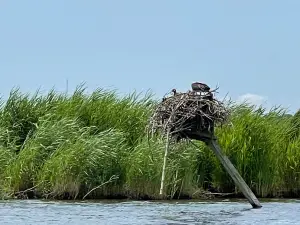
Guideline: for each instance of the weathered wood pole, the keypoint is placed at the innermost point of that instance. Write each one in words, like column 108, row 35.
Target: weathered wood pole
column 238, row 180
column 163, row 174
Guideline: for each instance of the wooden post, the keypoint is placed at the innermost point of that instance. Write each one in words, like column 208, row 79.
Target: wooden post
column 163, row 174
column 238, row 180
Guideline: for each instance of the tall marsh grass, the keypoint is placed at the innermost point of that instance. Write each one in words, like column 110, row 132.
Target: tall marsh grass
column 95, row 146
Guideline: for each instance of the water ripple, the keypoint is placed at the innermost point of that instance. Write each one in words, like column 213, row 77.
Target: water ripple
column 147, row 212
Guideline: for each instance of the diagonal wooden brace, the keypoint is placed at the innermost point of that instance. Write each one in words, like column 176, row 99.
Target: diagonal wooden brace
column 238, row 180
column 210, row 140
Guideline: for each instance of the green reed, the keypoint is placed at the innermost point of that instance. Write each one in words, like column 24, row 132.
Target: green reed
column 96, row 146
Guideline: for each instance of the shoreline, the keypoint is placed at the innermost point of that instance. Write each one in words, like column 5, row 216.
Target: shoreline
column 175, row 201
column 204, row 196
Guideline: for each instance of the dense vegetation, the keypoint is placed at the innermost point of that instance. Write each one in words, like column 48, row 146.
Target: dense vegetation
column 95, row 146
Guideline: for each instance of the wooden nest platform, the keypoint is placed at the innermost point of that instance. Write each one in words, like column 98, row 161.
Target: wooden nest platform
column 193, row 114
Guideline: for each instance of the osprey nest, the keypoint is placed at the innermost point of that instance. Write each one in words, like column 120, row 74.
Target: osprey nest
column 185, row 114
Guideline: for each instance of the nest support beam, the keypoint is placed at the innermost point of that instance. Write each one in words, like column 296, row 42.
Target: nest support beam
column 210, row 140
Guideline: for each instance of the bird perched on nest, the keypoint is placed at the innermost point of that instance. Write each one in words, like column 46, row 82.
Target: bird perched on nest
column 174, row 91
column 200, row 87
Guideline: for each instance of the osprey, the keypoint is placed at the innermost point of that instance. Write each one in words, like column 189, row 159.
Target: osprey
column 200, row 87
column 174, row 91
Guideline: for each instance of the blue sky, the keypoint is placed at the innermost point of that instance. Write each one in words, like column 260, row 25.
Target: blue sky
column 250, row 49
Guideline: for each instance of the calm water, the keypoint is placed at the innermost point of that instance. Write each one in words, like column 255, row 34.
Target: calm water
column 132, row 212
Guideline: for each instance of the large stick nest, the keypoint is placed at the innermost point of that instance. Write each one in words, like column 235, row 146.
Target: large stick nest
column 195, row 111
